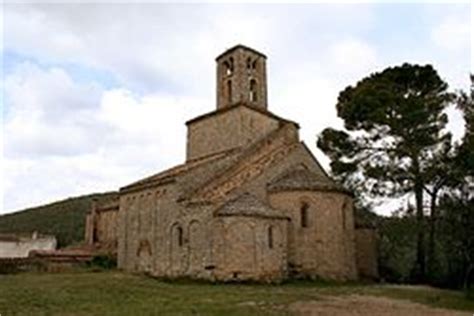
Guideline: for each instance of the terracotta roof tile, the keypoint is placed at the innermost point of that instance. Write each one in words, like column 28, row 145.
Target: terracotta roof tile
column 171, row 173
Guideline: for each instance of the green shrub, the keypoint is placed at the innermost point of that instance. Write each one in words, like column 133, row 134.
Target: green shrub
column 15, row 265
column 104, row 261
column 470, row 294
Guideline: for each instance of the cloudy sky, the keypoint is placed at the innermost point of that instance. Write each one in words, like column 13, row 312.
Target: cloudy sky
column 96, row 95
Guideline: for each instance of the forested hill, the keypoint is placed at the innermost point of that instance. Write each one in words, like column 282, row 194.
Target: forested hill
column 65, row 219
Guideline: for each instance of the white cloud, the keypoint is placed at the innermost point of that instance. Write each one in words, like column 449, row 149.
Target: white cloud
column 352, row 58
column 85, row 137
column 166, row 47
column 63, row 138
column 41, row 104
column 453, row 34
column 311, row 98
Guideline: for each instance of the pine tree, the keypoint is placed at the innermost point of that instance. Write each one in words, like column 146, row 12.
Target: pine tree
column 395, row 124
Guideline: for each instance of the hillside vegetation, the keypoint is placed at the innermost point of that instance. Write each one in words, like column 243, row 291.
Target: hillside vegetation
column 64, row 219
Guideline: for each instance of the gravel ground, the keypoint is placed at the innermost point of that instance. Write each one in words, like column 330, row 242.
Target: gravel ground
column 368, row 305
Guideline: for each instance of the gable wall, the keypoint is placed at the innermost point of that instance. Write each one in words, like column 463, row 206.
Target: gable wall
column 237, row 127
column 195, row 178
column 257, row 184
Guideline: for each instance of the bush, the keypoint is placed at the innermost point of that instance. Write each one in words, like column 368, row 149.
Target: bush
column 15, row 265
column 105, row 261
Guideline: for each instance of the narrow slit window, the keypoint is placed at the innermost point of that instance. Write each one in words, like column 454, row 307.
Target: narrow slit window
column 253, row 90
column 94, row 234
column 231, row 62
column 343, row 210
column 180, row 236
column 270, row 237
column 229, row 91
column 304, row 215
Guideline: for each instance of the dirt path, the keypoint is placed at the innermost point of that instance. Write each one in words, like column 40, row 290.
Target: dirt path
column 367, row 305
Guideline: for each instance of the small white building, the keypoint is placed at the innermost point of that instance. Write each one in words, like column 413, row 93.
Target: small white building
column 19, row 246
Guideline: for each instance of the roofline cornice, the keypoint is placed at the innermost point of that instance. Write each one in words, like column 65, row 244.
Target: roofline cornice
column 230, row 50
column 235, row 106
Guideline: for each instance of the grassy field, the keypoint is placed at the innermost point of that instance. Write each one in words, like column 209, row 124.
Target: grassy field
column 116, row 293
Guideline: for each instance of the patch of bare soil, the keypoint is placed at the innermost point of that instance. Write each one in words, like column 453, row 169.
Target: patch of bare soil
column 410, row 287
column 367, row 305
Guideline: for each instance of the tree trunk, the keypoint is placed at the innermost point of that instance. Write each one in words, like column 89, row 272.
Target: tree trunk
column 420, row 265
column 467, row 279
column 432, row 234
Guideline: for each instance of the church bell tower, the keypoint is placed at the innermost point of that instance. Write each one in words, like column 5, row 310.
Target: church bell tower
column 241, row 78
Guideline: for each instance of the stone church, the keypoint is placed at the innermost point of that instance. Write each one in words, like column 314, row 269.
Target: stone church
column 251, row 202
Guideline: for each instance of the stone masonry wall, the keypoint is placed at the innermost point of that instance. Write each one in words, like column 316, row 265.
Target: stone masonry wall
column 256, row 177
column 106, row 224
column 238, row 127
column 163, row 238
column 262, row 162
column 234, row 86
column 322, row 249
column 187, row 243
column 89, row 229
column 366, row 252
column 160, row 237
column 243, row 249
column 140, row 221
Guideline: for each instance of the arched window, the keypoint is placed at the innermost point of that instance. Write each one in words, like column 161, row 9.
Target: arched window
column 304, row 214
column 270, row 237
column 253, row 90
column 229, row 66
column 229, row 91
column 251, row 65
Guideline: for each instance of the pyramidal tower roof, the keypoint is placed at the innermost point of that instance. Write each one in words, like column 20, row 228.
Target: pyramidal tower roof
column 301, row 178
column 240, row 46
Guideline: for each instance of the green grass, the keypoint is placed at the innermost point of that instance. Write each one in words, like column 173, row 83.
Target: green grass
column 116, row 293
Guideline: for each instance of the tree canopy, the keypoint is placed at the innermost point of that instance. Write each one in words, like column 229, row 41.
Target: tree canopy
column 457, row 204
column 395, row 126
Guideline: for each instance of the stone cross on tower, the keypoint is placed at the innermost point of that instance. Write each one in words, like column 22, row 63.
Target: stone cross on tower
column 241, row 78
